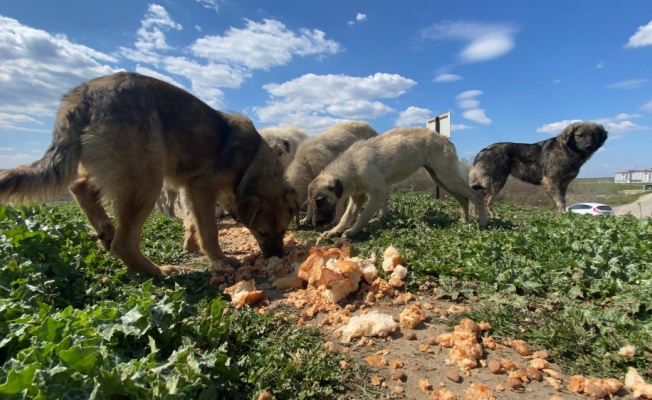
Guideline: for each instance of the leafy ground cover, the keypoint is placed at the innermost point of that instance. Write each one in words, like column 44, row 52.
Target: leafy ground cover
column 75, row 324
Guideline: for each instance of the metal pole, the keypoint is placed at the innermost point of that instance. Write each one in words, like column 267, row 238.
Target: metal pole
column 437, row 186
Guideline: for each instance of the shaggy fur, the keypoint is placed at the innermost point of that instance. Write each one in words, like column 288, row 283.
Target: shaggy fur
column 553, row 163
column 118, row 137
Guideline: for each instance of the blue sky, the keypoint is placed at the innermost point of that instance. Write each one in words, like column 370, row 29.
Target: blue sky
column 507, row 70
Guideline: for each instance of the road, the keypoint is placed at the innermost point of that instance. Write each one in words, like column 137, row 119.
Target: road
column 639, row 208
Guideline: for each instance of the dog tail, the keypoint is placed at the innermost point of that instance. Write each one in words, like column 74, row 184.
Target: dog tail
column 46, row 179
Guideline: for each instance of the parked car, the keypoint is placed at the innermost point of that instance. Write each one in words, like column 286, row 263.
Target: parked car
column 591, row 208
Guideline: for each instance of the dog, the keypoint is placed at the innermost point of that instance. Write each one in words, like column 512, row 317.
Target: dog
column 553, row 163
column 122, row 135
column 374, row 165
column 284, row 141
column 315, row 153
column 167, row 200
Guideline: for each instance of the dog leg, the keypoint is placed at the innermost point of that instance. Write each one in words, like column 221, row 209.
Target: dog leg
column 190, row 235
column 171, row 200
column 202, row 218
column 462, row 192
column 339, row 210
column 375, row 202
column 308, row 218
column 556, row 193
column 89, row 199
column 355, row 203
column 131, row 214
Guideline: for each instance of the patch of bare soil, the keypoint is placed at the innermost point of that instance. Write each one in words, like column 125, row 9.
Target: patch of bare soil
column 404, row 338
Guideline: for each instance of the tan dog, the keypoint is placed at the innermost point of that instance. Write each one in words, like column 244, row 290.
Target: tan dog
column 315, row 153
column 284, row 141
column 125, row 133
column 167, row 200
column 373, row 165
column 553, row 162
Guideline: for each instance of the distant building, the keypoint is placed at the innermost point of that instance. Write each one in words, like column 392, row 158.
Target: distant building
column 634, row 176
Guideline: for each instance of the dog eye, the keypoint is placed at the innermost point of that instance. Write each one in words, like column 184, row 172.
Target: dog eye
column 319, row 200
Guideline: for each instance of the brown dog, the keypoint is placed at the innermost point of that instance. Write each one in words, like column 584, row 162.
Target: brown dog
column 124, row 134
column 553, row 163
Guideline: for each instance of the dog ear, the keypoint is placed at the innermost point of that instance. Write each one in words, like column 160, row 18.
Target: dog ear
column 336, row 186
column 248, row 208
column 568, row 134
column 286, row 144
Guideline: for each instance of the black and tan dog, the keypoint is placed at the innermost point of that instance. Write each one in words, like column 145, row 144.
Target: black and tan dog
column 122, row 135
column 553, row 163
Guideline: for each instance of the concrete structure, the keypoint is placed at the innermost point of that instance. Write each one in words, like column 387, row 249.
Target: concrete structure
column 634, row 176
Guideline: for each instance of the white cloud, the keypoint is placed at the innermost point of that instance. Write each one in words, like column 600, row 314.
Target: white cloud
column 210, row 4
column 628, row 84
column 484, row 41
column 14, row 160
column 358, row 18
column 207, row 79
column 10, row 120
column 312, row 100
column 647, row 107
column 600, row 65
column 469, row 94
column 262, row 45
column 555, row 128
column 468, row 102
column 443, row 78
column 618, row 124
column 642, row 37
column 151, row 35
column 37, row 68
column 459, row 127
column 6, row 149
column 477, row 115
column 413, row 116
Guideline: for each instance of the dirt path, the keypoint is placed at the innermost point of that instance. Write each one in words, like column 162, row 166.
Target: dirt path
column 408, row 363
column 640, row 208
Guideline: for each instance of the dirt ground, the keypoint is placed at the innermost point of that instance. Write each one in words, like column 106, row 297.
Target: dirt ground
column 407, row 363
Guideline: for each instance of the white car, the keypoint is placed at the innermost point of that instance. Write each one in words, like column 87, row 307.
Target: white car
column 591, row 208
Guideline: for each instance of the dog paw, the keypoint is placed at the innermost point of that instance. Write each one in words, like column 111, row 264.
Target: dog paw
column 304, row 221
column 226, row 266
column 167, row 270
column 331, row 234
column 349, row 233
column 190, row 245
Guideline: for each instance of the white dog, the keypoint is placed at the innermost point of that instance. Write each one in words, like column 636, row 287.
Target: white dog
column 284, row 141
column 374, row 165
column 315, row 153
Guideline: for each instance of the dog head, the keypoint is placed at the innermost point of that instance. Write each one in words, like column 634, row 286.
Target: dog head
column 268, row 218
column 584, row 137
column 324, row 192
